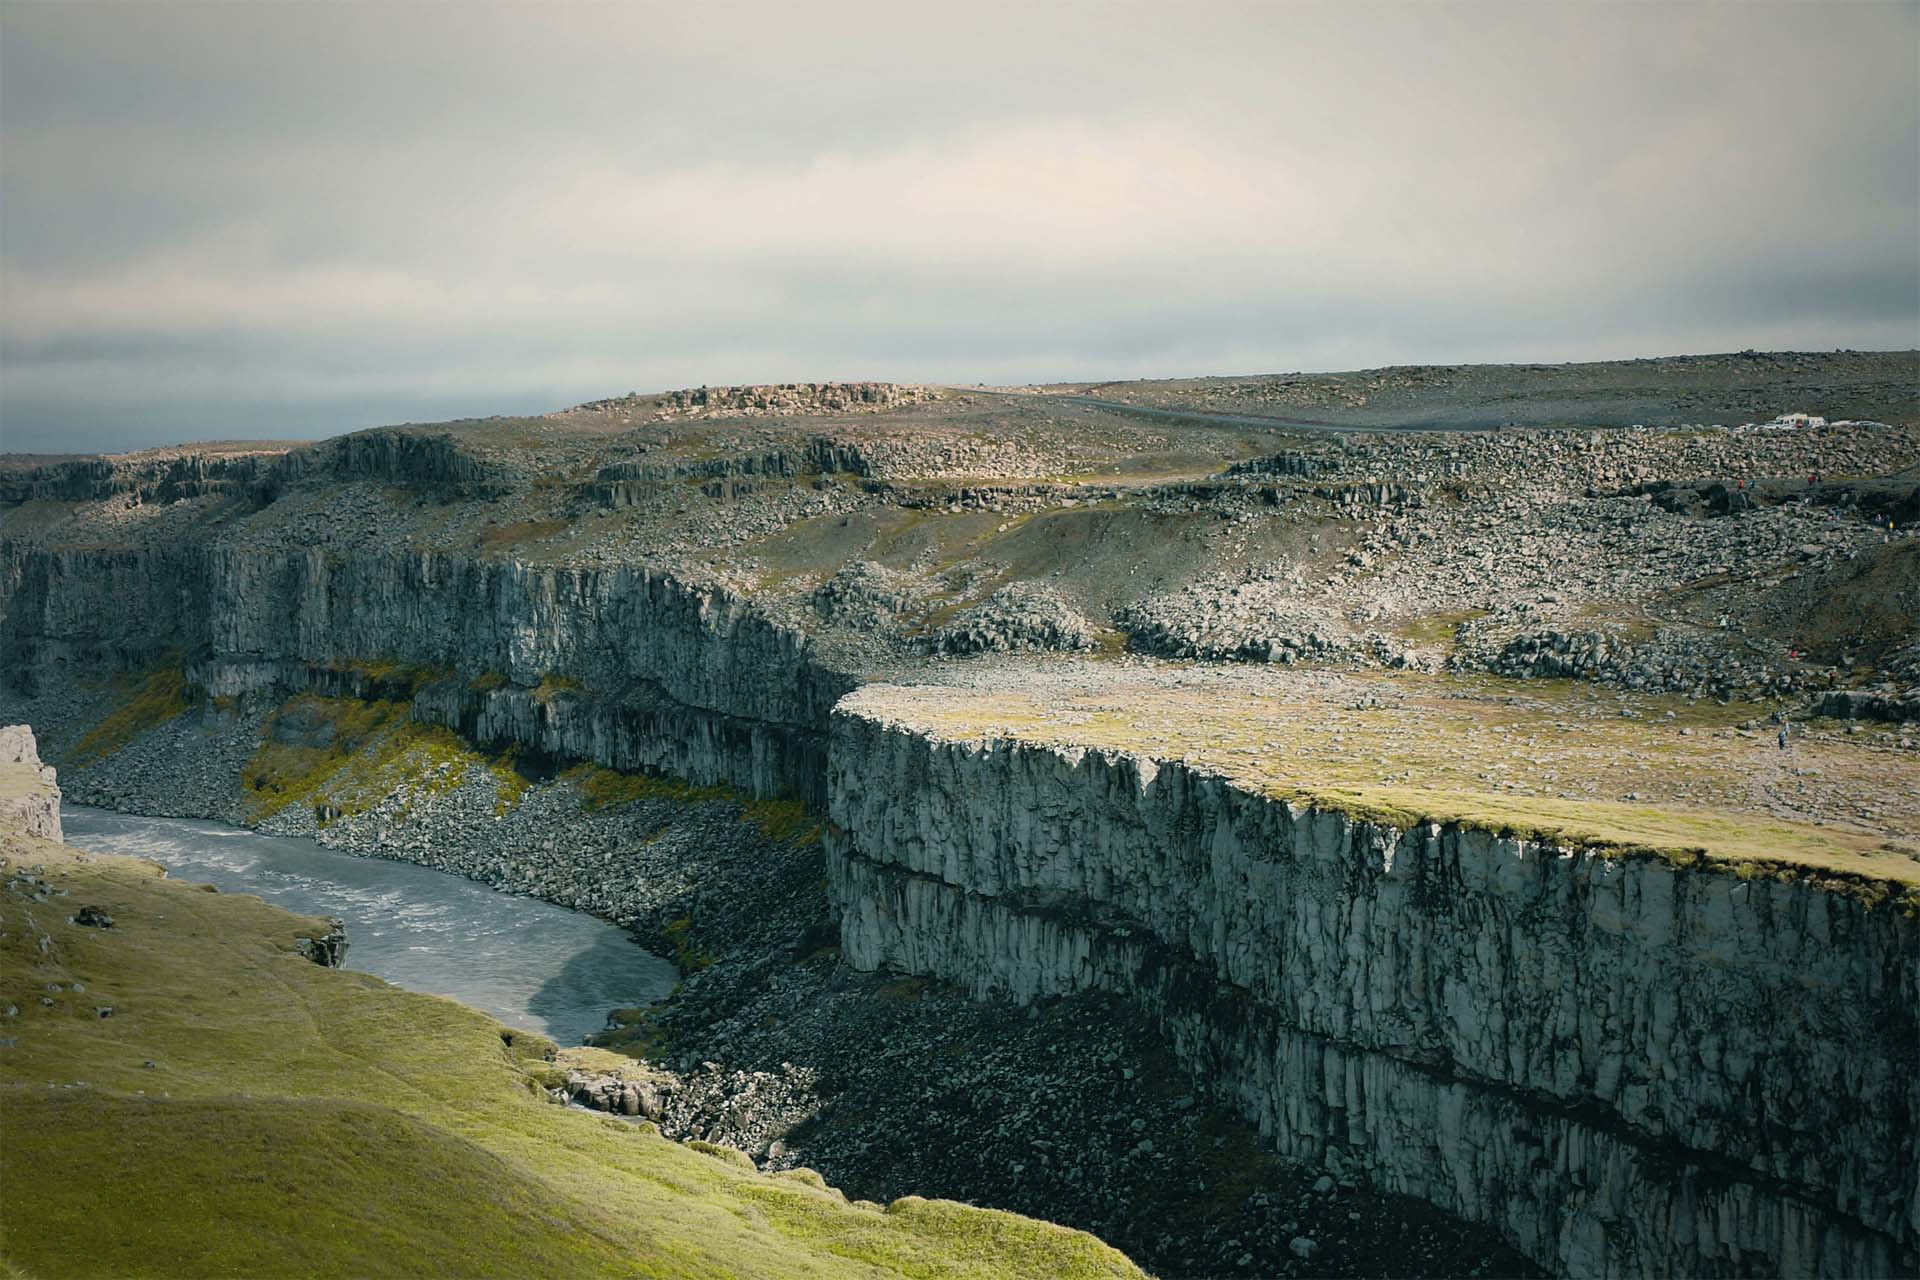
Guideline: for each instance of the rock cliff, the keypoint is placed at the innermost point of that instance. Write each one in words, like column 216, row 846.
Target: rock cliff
column 1626, row 1068
column 29, row 795
column 633, row 667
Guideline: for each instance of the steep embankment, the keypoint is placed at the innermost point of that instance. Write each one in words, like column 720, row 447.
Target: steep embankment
column 1626, row 1067
column 1620, row 1067
column 184, row 1094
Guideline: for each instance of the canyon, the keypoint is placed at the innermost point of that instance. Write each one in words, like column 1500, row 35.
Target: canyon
column 1237, row 729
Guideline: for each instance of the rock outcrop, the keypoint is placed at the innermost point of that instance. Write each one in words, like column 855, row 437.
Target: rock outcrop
column 1014, row 618
column 160, row 476
column 785, row 399
column 329, row 949
column 29, row 793
column 1625, row 1067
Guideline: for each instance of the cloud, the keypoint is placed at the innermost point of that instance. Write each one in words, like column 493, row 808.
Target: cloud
column 302, row 219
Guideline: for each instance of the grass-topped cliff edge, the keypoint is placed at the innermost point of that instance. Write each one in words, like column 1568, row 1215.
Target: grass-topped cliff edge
column 1627, row 774
column 240, row 1111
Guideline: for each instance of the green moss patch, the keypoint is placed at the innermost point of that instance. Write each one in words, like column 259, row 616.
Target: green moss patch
column 551, row 686
column 342, row 756
column 686, row 957
column 783, row 821
column 602, row 788
column 1438, row 630
column 150, row 701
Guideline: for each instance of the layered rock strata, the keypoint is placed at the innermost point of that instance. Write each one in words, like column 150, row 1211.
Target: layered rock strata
column 1624, row 1067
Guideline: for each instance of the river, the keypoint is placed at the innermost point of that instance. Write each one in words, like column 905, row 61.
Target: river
column 532, row 965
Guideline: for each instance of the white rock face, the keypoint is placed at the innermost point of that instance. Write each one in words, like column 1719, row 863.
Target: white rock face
column 29, row 794
column 1626, row 1068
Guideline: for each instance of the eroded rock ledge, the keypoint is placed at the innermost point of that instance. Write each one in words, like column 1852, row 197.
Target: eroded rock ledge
column 1624, row 1067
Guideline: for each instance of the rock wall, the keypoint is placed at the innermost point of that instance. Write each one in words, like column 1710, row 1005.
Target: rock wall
column 99, row 610
column 640, row 730
column 1626, row 1068
column 141, row 478
column 609, row 629
column 653, row 672
column 425, row 461
column 29, row 794
column 433, row 462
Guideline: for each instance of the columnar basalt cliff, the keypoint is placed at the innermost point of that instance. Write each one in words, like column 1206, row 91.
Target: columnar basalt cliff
column 1626, row 1068
column 100, row 609
column 166, row 477
column 656, row 672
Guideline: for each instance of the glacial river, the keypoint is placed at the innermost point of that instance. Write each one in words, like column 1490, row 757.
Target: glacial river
column 528, row 963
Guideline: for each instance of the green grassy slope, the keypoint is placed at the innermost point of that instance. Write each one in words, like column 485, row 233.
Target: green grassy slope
column 244, row 1112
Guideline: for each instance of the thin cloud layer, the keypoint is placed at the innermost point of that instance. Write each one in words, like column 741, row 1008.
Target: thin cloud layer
column 297, row 220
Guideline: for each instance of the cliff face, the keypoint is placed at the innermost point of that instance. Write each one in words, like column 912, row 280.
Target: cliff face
column 1626, row 1068
column 654, row 672
column 606, row 628
column 29, row 794
column 100, row 608
column 423, row 461
column 142, row 479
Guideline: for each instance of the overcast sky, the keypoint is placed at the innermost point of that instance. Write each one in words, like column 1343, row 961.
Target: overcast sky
column 244, row 220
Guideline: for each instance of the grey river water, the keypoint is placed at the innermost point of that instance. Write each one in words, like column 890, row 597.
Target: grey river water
column 529, row 963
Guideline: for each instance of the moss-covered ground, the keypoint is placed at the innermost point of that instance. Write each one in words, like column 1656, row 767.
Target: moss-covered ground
column 345, row 754
column 784, row 821
column 146, row 701
column 1647, row 774
column 244, row 1112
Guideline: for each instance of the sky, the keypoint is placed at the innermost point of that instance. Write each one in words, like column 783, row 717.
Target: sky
column 291, row 220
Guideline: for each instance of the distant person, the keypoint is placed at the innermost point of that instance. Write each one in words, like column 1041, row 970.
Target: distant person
column 1783, row 737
